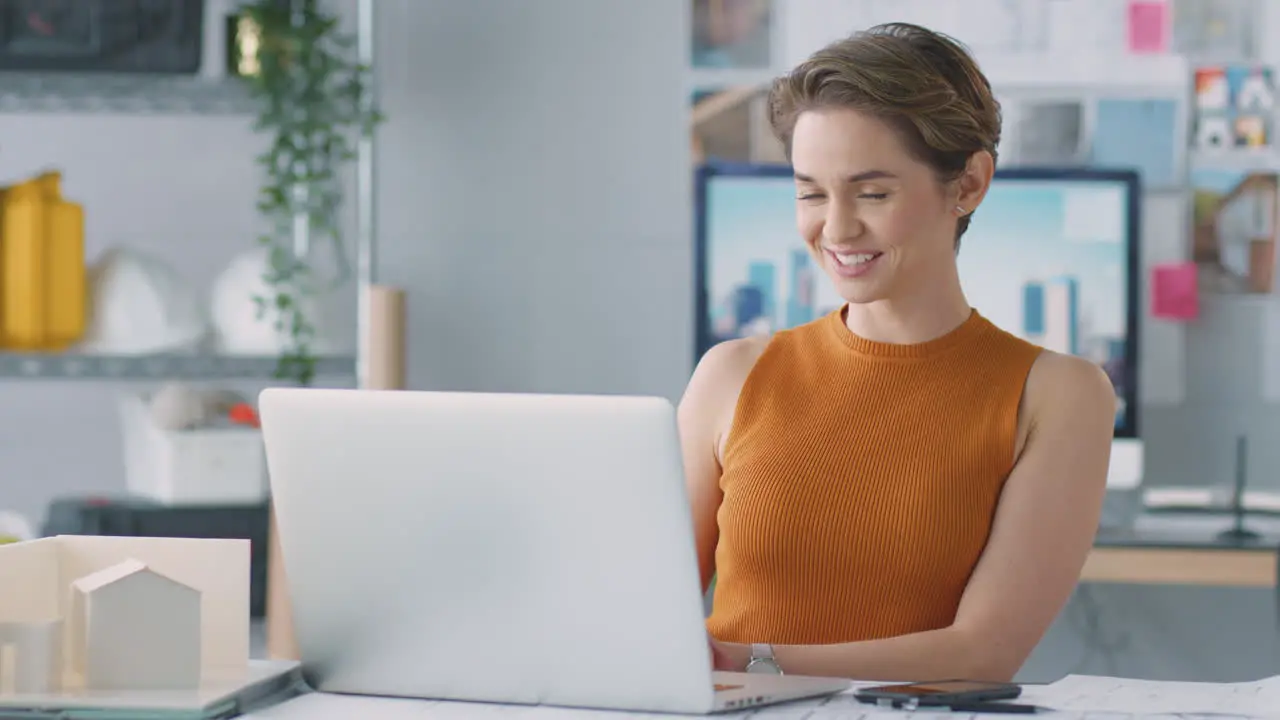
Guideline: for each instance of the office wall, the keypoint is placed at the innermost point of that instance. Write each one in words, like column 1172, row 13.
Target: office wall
column 535, row 193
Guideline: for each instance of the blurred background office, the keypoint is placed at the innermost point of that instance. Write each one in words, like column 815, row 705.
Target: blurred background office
column 583, row 195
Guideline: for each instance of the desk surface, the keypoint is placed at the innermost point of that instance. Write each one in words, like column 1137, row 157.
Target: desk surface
column 1075, row 697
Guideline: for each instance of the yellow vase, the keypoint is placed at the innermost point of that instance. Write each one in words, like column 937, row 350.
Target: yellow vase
column 43, row 293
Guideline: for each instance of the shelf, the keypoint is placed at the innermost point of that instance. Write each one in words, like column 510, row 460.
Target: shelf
column 22, row 92
column 1265, row 159
column 1033, row 72
column 1101, row 73
column 155, row 367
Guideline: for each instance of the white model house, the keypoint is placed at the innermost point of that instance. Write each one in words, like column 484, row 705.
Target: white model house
column 85, row 613
column 30, row 657
column 133, row 628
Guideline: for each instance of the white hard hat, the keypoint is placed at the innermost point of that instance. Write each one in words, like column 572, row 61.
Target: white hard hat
column 140, row 305
column 239, row 328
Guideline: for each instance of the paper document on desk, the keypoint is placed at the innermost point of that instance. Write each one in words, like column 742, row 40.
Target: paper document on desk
column 1086, row 693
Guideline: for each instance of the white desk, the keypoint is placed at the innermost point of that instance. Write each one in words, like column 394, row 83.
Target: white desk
column 1071, row 698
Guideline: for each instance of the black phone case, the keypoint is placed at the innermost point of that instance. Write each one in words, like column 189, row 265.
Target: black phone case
column 889, row 693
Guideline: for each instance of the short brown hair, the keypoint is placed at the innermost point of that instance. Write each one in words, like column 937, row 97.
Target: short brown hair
column 923, row 83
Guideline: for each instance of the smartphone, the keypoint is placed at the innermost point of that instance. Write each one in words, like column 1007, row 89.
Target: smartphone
column 948, row 693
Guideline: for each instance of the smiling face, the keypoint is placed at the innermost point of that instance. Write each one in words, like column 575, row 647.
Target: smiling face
column 878, row 221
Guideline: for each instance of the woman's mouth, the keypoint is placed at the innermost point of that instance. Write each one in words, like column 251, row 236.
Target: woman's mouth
column 853, row 264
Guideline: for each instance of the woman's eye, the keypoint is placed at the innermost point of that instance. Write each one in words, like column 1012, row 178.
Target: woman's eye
column 874, row 196
column 810, row 196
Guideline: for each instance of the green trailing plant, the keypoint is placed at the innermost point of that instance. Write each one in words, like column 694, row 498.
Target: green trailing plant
column 311, row 92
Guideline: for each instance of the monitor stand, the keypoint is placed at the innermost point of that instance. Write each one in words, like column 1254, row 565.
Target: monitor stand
column 1238, row 533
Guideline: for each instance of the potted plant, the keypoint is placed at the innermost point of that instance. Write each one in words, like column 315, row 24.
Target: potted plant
column 310, row 89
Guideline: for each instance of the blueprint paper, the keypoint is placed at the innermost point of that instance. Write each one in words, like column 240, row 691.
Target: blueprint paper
column 1093, row 694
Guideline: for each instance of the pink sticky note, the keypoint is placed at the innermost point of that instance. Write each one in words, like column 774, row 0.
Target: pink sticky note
column 1175, row 291
column 1148, row 26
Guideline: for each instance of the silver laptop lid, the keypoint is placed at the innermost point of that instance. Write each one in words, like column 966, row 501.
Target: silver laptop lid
column 496, row 547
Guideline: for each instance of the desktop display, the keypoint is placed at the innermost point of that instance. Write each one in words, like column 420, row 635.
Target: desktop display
column 1050, row 255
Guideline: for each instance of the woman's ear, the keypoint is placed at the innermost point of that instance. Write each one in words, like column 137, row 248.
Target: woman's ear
column 972, row 185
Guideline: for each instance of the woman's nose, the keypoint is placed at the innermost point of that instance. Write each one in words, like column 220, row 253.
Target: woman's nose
column 842, row 223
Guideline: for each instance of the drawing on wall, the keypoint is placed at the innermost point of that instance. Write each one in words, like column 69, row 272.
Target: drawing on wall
column 1220, row 29
column 732, row 34
column 1047, row 132
column 1234, row 106
column 732, row 125
column 1234, row 235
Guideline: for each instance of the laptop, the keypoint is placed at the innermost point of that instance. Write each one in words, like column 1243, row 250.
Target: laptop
column 505, row 548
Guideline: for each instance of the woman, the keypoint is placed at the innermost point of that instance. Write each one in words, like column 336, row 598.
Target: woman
column 899, row 490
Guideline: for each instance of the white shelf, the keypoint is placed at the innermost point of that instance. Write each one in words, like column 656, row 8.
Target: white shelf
column 1163, row 75
column 22, row 92
column 1239, row 159
column 56, row 366
column 1093, row 72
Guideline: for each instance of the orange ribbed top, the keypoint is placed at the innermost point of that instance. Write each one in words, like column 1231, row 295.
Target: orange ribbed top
column 860, row 481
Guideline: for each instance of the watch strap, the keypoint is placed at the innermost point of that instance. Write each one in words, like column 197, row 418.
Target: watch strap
column 762, row 657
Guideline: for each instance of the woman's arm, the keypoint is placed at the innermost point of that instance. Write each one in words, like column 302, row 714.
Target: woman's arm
column 1041, row 536
column 705, row 412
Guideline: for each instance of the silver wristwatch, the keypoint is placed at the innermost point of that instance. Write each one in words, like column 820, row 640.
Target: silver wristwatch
column 762, row 660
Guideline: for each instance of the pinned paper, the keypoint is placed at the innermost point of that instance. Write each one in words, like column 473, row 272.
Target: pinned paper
column 1149, row 27
column 1175, row 291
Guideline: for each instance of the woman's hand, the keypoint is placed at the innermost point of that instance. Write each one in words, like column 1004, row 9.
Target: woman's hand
column 731, row 657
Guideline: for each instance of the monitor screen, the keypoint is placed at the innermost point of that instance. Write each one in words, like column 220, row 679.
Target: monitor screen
column 1050, row 256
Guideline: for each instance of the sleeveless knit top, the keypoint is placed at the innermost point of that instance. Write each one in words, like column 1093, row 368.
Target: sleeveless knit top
column 860, row 481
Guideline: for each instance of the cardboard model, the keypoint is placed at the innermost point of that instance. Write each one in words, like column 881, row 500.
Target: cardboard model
column 133, row 628
column 30, row 656
column 119, row 613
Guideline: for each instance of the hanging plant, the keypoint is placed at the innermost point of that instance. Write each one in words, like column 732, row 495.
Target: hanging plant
column 311, row 93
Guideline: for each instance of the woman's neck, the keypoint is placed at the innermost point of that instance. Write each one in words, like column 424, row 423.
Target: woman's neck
column 929, row 313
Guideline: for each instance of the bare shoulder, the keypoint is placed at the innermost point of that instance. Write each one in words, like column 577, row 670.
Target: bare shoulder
column 712, row 393
column 1066, row 393
column 731, row 361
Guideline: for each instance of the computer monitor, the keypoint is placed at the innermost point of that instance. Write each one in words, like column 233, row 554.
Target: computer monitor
column 1051, row 255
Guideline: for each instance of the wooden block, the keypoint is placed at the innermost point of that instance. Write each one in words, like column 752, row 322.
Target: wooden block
column 281, row 643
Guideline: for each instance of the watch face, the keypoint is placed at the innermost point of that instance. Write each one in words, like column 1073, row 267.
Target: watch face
column 764, row 666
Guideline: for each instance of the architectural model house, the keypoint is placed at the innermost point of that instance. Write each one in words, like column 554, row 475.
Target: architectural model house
column 133, row 628
column 30, row 657
column 117, row 614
